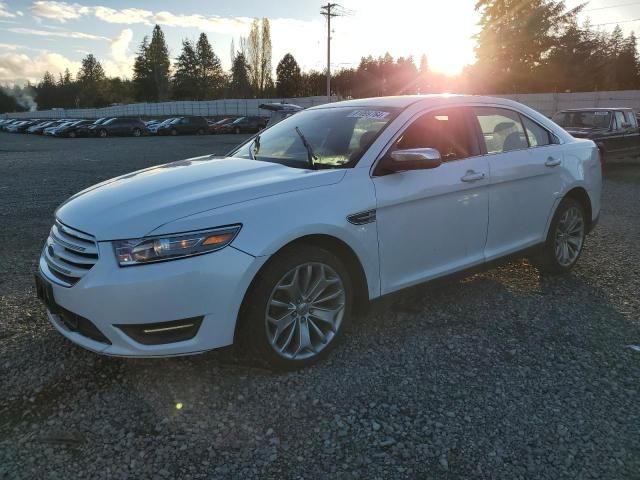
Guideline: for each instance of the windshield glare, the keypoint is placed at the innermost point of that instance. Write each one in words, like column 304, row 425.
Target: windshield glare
column 338, row 136
column 583, row 119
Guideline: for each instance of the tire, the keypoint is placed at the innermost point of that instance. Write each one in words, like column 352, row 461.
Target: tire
column 562, row 248
column 174, row 132
column 201, row 131
column 304, row 338
column 72, row 134
column 103, row 133
column 236, row 130
column 136, row 132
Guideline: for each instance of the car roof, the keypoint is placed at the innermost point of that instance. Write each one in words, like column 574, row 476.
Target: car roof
column 596, row 109
column 404, row 101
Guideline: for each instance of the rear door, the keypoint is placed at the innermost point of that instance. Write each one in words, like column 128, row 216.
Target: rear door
column 525, row 165
column 616, row 142
column 632, row 135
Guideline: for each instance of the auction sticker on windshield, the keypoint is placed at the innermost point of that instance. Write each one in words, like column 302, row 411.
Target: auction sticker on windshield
column 373, row 114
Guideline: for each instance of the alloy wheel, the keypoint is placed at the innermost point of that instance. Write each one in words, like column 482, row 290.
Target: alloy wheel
column 569, row 237
column 305, row 311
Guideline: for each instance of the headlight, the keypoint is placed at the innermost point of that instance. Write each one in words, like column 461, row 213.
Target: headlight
column 158, row 249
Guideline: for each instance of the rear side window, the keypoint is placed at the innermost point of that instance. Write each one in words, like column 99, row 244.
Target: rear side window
column 538, row 136
column 619, row 120
column 631, row 119
column 501, row 129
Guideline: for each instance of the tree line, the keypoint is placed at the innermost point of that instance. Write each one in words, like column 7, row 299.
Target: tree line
column 524, row 46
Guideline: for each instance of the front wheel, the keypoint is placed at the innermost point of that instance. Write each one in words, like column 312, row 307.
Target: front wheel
column 565, row 238
column 174, row 132
column 103, row 133
column 297, row 308
column 236, row 130
column 72, row 134
column 137, row 132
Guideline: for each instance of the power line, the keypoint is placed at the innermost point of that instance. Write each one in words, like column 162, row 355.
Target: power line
column 611, row 6
column 615, row 23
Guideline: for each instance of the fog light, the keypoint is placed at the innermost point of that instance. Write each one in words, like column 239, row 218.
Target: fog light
column 163, row 332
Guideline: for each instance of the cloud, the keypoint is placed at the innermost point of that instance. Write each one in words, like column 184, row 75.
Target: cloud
column 60, row 11
column 121, row 62
column 20, row 67
column 63, row 11
column 63, row 34
column 4, row 12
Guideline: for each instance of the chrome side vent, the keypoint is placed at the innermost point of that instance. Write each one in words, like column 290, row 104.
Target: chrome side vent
column 69, row 254
column 362, row 218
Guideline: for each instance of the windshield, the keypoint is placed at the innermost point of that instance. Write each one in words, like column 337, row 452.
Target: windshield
column 335, row 137
column 583, row 119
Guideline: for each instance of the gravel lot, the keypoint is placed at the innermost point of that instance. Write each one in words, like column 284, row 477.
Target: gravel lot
column 503, row 374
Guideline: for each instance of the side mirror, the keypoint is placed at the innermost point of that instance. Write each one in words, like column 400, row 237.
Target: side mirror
column 413, row 159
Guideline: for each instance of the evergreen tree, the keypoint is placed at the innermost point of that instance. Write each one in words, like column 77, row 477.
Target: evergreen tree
column 142, row 74
column 157, row 59
column 91, row 82
column 209, row 70
column 240, row 83
column 288, row 77
column 185, row 78
column 266, row 81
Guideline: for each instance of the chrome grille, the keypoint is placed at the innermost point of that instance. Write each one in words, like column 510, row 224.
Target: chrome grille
column 69, row 254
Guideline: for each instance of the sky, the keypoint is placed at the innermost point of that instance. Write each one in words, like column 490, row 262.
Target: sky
column 41, row 35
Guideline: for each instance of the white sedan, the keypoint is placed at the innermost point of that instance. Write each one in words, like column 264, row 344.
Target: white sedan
column 273, row 247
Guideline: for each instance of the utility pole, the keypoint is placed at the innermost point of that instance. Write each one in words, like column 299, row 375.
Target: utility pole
column 327, row 11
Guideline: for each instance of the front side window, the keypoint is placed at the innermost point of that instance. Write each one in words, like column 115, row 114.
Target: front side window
column 444, row 130
column 333, row 137
column 502, row 129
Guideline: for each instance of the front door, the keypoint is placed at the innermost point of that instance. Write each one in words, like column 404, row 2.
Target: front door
column 433, row 222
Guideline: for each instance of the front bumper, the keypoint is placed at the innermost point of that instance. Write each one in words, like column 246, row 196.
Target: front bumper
column 210, row 287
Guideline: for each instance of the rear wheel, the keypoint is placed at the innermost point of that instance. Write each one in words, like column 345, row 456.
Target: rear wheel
column 236, row 130
column 103, row 133
column 297, row 308
column 174, row 132
column 137, row 132
column 72, row 134
column 201, row 131
column 565, row 238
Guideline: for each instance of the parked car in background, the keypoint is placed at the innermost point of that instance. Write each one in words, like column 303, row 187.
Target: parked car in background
column 5, row 126
column 216, row 127
column 52, row 128
column 38, row 127
column 89, row 130
column 614, row 130
column 153, row 129
column 119, row 127
column 275, row 245
column 20, row 127
column 185, row 126
column 70, row 130
column 244, row 125
column 279, row 111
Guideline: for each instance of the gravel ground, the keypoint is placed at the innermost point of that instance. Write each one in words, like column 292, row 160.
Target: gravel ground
column 504, row 374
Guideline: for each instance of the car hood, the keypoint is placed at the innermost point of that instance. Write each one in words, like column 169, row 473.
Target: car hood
column 135, row 204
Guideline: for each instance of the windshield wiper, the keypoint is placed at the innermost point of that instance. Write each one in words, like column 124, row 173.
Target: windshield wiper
column 256, row 143
column 310, row 155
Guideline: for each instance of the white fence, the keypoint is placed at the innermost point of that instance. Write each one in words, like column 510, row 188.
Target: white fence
column 546, row 103
column 209, row 108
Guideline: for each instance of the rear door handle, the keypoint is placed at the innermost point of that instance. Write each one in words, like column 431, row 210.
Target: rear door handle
column 472, row 176
column 552, row 162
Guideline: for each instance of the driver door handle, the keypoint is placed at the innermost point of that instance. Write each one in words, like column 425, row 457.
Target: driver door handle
column 472, row 176
column 552, row 162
